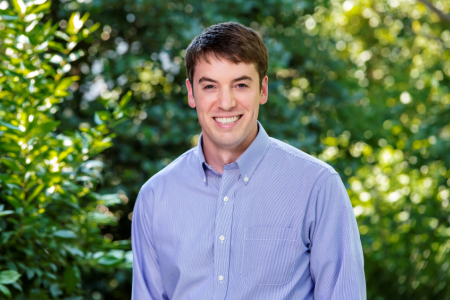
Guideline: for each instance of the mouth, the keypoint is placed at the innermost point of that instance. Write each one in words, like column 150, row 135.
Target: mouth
column 228, row 121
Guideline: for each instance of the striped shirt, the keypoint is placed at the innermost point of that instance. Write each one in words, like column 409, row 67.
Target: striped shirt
column 277, row 224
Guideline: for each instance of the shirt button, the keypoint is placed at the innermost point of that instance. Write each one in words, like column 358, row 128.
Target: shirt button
column 245, row 178
column 225, row 199
column 222, row 238
column 204, row 179
column 220, row 277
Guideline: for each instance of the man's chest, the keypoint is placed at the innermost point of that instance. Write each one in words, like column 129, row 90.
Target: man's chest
column 250, row 235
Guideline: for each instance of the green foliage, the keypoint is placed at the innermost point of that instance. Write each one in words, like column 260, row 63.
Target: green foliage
column 49, row 211
column 7, row 277
column 361, row 84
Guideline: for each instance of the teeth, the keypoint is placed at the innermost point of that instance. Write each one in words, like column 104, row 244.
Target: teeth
column 227, row 121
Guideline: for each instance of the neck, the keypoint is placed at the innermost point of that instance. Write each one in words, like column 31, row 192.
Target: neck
column 217, row 156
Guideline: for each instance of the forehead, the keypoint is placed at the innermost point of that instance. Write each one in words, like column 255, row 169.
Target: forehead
column 222, row 68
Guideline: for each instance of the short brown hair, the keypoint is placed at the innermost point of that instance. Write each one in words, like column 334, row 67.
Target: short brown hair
column 231, row 41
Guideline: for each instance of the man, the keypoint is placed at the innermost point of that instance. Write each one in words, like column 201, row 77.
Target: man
column 242, row 215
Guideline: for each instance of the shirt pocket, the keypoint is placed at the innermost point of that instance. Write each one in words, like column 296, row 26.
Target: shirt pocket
column 269, row 255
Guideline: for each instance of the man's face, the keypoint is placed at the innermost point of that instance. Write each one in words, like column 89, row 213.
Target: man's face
column 227, row 97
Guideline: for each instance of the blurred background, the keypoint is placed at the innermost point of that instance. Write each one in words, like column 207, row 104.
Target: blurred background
column 361, row 84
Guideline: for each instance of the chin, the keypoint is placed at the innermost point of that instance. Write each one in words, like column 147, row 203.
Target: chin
column 227, row 140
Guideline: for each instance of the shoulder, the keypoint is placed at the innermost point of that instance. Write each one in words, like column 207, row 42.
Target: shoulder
column 297, row 159
column 181, row 166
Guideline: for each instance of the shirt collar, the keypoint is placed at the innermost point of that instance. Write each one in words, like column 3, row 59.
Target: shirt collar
column 248, row 161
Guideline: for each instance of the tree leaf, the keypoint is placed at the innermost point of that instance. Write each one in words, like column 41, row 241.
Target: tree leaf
column 94, row 27
column 9, row 179
column 109, row 260
column 13, row 201
column 10, row 276
column 9, row 18
column 6, row 212
column 65, row 83
column 109, row 199
column 17, row 286
column 56, row 46
column 62, row 35
column 75, row 23
column 10, row 147
column 19, row 6
column 35, row 192
column 5, row 291
column 55, row 290
column 9, row 126
column 73, row 250
column 102, row 117
column 10, row 163
column 65, row 234
column 75, row 55
column 118, row 122
column 5, row 236
column 125, row 99
column 70, row 279
column 41, row 8
column 92, row 164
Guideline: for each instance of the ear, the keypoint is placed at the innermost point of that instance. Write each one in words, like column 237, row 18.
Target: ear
column 191, row 99
column 264, row 91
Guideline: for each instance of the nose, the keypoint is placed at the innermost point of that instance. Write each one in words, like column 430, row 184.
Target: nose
column 226, row 100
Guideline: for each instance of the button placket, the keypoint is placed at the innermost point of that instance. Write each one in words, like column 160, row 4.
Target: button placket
column 223, row 231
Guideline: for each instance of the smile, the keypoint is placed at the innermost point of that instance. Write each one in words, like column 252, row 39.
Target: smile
column 227, row 121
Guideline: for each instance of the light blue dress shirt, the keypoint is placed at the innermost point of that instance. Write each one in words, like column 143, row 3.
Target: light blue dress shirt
column 277, row 225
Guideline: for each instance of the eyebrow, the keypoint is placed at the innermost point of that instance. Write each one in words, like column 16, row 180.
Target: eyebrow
column 234, row 80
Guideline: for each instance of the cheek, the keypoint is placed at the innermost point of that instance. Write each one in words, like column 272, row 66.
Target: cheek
column 253, row 106
column 203, row 106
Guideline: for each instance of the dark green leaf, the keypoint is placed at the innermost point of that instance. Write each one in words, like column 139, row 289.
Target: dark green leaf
column 70, row 279
column 13, row 201
column 10, row 147
column 10, row 163
column 5, row 236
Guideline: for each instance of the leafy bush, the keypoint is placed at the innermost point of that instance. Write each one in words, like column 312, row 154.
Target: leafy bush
column 49, row 211
column 363, row 85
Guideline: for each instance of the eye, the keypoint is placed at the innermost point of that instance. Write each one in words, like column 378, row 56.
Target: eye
column 208, row 87
column 241, row 86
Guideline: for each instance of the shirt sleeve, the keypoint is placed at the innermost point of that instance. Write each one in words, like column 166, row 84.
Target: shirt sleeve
column 147, row 282
column 337, row 263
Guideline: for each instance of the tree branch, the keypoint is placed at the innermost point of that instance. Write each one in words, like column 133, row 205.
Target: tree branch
column 441, row 15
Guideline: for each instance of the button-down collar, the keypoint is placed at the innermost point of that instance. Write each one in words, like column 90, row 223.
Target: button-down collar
column 247, row 162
